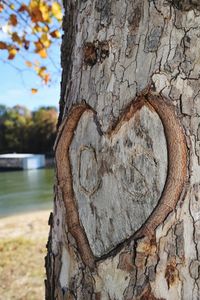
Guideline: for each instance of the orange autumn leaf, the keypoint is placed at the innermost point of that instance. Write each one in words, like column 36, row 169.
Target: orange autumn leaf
column 45, row 40
column 55, row 34
column 36, row 15
column 57, row 11
column 34, row 91
column 42, row 53
column 45, row 28
column 44, row 9
column 40, row 49
column 38, row 46
column 39, row 11
column 41, row 71
column 3, row 46
column 1, row 7
column 16, row 38
column 37, row 28
column 46, row 78
column 12, row 52
column 34, row 11
column 23, row 7
column 28, row 63
column 13, row 20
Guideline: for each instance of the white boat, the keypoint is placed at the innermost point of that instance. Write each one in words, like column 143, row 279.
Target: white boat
column 23, row 161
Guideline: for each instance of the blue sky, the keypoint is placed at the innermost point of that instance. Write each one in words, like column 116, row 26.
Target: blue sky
column 17, row 80
column 16, row 85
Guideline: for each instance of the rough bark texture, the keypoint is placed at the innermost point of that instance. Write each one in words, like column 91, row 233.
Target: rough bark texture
column 126, row 216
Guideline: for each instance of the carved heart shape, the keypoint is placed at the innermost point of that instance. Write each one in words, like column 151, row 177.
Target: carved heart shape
column 119, row 177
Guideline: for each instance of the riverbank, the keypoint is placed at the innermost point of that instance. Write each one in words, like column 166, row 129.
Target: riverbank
column 23, row 241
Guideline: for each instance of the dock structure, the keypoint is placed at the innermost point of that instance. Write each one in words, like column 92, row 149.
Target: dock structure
column 21, row 161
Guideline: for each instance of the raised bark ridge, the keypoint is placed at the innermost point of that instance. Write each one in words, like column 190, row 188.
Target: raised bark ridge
column 67, row 163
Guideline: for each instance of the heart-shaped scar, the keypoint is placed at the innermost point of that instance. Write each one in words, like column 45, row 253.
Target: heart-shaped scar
column 123, row 183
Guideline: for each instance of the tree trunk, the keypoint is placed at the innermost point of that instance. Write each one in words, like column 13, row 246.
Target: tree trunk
column 126, row 219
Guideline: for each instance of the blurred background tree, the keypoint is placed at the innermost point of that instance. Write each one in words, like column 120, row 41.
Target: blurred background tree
column 24, row 131
column 43, row 130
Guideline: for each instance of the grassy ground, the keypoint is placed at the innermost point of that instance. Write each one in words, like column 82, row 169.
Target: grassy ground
column 22, row 250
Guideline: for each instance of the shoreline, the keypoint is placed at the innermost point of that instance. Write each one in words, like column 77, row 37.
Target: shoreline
column 31, row 225
column 44, row 207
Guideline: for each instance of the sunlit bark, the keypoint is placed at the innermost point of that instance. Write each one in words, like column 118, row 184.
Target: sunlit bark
column 126, row 215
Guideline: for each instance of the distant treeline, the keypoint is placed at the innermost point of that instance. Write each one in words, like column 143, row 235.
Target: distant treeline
column 23, row 131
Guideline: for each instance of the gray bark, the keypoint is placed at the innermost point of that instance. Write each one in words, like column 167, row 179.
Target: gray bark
column 126, row 223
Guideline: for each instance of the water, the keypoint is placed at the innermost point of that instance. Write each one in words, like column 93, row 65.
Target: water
column 26, row 191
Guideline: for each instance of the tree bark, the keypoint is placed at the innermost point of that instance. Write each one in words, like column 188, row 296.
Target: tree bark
column 126, row 219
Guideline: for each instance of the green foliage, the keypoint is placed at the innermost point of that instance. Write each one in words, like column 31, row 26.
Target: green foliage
column 25, row 132
column 2, row 109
